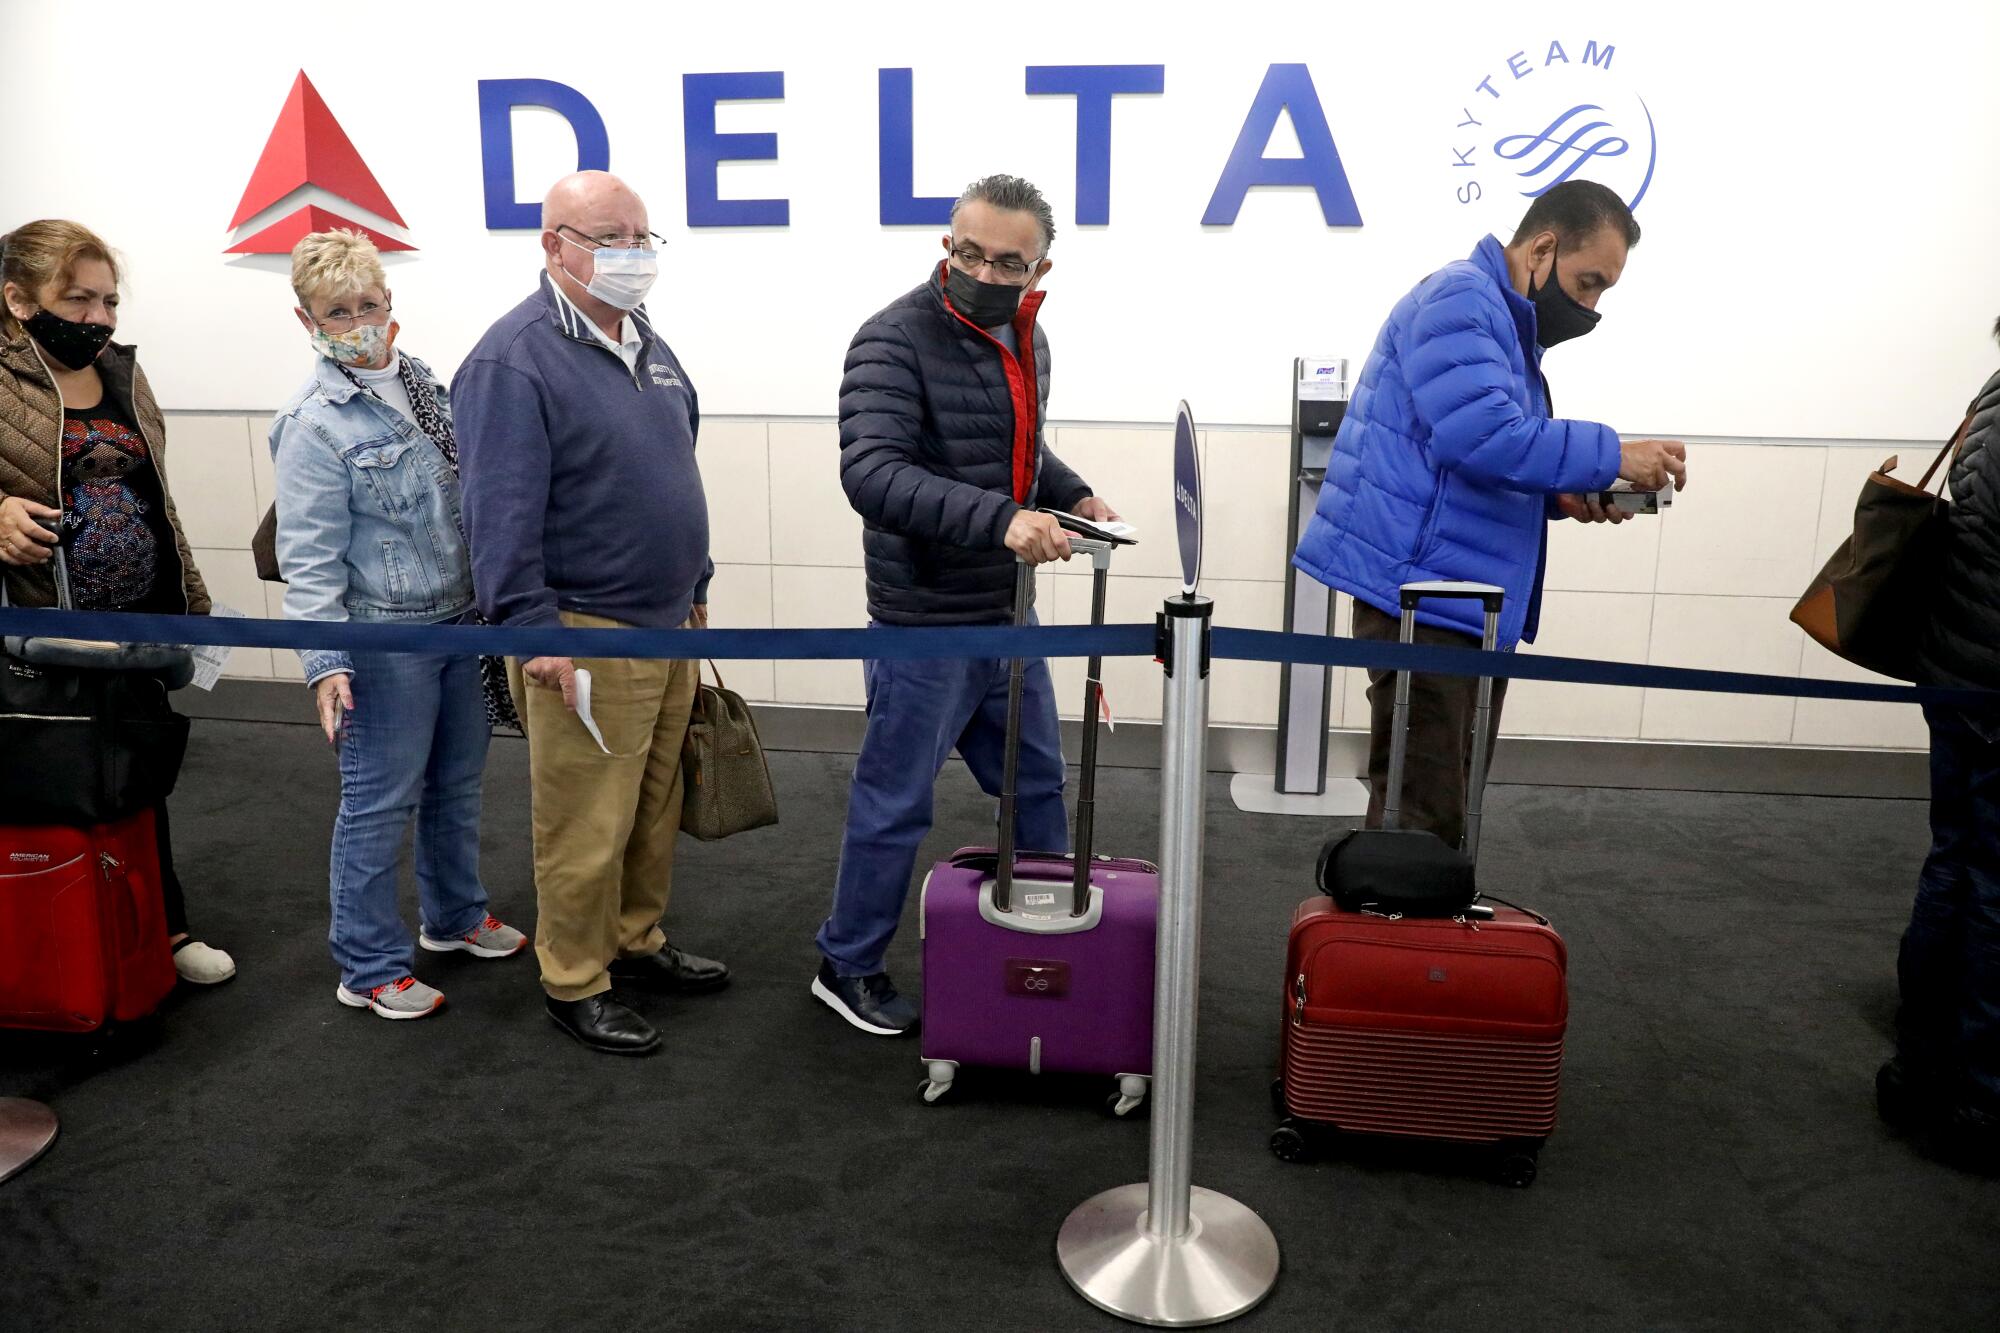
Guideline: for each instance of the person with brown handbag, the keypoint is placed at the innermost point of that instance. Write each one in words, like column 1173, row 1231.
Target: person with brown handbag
column 1944, row 1080
column 584, row 508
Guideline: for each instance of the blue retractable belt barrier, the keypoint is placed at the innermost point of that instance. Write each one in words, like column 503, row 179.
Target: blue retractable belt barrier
column 900, row 643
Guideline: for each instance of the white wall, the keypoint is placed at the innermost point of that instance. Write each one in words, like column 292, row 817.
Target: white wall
column 1707, row 584
column 1818, row 262
column 1817, row 276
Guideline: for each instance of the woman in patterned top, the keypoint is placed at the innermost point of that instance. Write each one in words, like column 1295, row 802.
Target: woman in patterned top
column 81, row 466
column 370, row 529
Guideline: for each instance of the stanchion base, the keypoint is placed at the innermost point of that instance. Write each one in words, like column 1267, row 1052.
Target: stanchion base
column 1225, row 1264
column 26, row 1131
column 1258, row 794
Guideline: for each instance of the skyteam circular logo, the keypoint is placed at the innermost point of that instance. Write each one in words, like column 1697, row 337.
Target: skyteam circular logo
column 1545, row 115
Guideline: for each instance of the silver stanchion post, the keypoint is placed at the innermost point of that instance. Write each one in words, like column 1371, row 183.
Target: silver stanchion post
column 1168, row 1252
column 26, row 1131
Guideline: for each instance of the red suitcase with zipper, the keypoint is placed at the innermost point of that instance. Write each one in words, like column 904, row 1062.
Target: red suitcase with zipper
column 83, row 930
column 1445, row 1028
column 1439, row 1020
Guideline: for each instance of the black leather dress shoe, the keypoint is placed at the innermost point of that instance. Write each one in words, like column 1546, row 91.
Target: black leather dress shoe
column 1906, row 1095
column 670, row 972
column 603, row 1024
column 1971, row 1139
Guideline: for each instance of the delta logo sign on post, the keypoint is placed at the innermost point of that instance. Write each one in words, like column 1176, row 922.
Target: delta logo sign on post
column 310, row 178
column 1537, row 120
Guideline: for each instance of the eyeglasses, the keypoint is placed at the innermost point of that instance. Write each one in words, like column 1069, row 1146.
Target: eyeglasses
column 1013, row 270
column 617, row 240
column 339, row 321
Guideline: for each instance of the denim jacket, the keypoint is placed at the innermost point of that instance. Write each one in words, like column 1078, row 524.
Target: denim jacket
column 369, row 517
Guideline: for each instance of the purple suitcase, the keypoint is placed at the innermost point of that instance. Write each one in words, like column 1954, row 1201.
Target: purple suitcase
column 1025, row 966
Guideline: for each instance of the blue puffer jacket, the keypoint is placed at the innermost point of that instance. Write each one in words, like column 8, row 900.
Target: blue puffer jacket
column 1447, row 463
column 940, row 446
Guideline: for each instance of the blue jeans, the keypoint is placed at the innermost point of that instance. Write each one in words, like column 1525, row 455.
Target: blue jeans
column 415, row 745
column 1949, row 964
column 918, row 712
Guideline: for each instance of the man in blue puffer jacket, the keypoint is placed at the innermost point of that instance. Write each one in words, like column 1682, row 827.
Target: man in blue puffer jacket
column 941, row 453
column 1449, row 465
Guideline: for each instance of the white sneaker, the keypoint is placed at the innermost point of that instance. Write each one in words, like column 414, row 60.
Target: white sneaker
column 408, row 998
column 489, row 939
column 201, row 965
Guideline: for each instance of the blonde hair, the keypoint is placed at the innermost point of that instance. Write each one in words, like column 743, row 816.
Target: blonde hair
column 38, row 255
column 335, row 263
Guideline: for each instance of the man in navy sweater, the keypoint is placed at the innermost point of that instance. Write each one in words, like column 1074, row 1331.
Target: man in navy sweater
column 584, row 507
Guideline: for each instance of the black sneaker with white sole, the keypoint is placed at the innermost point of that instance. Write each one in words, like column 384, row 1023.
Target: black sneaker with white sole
column 870, row 1003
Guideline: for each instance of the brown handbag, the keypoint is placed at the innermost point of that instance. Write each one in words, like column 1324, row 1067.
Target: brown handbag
column 726, row 785
column 264, row 547
column 1871, row 603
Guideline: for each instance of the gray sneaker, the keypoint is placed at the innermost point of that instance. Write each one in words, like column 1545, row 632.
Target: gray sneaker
column 408, row 998
column 489, row 939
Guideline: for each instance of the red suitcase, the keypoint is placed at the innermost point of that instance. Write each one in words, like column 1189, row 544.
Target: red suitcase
column 1444, row 1027
column 83, row 930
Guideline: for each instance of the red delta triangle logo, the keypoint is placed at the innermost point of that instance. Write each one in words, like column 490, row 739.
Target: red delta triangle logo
column 309, row 169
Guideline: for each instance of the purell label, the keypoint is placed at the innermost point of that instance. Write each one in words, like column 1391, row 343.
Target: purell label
column 1039, row 899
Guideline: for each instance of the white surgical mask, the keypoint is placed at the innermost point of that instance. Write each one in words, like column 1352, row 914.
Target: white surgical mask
column 359, row 346
column 622, row 277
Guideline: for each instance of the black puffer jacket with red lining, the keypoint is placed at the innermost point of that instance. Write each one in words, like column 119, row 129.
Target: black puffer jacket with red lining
column 940, row 445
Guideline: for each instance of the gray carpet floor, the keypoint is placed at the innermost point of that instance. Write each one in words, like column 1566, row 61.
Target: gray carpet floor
column 266, row 1159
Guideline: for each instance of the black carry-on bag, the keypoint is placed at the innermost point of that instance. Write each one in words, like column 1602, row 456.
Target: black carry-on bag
column 87, row 735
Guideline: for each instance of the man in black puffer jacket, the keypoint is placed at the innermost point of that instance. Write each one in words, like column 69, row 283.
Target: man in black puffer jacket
column 941, row 452
column 1946, row 1072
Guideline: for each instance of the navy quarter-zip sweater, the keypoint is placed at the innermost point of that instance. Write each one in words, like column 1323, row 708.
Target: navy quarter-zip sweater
column 581, row 489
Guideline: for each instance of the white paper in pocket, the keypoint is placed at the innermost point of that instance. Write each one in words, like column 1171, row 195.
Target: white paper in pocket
column 583, row 709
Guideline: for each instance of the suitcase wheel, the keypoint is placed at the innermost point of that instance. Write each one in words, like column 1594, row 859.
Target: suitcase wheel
column 1130, row 1096
column 1516, row 1168
column 1290, row 1143
column 938, row 1083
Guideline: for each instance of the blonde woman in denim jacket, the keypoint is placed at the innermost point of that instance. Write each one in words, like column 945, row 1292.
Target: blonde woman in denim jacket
column 370, row 530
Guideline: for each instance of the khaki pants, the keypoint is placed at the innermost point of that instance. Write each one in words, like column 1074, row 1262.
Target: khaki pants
column 1438, row 768
column 605, row 824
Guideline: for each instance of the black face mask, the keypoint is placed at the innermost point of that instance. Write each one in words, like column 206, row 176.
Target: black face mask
column 1558, row 316
column 987, row 304
column 74, row 344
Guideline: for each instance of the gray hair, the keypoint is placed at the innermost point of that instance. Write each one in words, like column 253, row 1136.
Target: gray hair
column 1015, row 196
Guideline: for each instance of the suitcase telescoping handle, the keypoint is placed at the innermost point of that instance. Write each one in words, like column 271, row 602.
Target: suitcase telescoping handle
column 1099, row 551
column 1010, row 766
column 1490, row 598
column 1093, row 695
